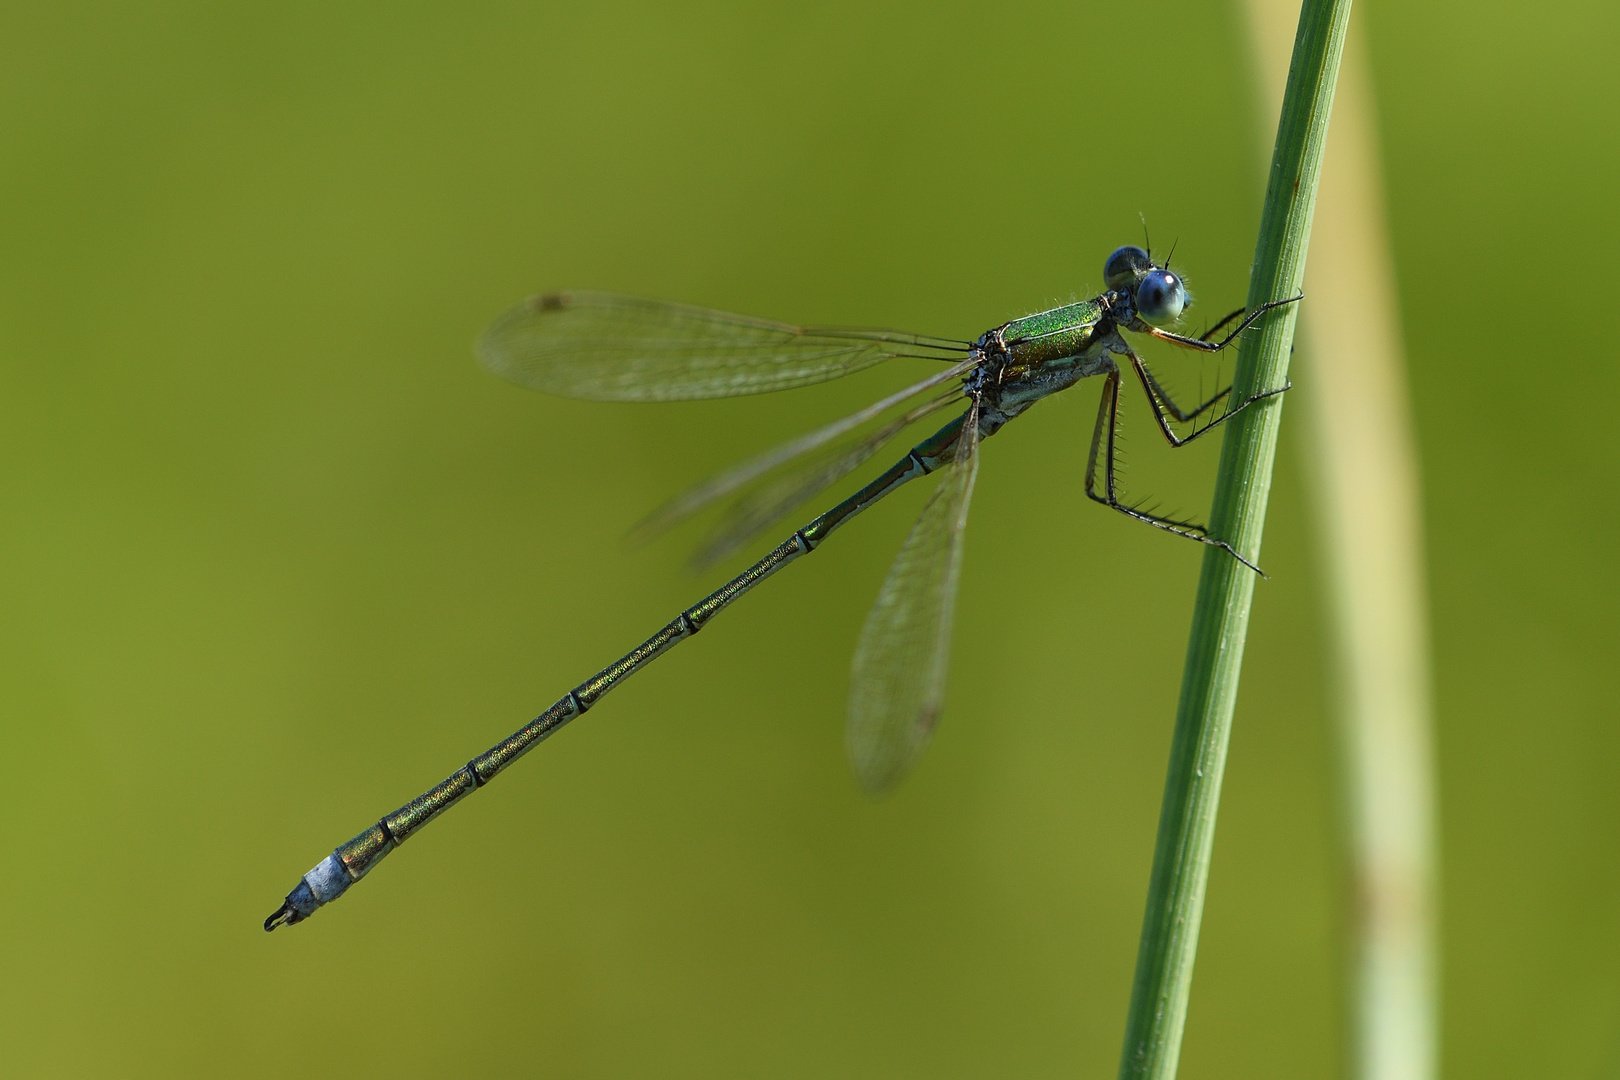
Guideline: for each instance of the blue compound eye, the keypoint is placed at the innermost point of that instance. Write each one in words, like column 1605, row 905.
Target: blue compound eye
column 1161, row 297
column 1125, row 266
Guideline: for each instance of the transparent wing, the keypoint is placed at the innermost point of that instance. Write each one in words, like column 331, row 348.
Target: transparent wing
column 760, row 507
column 897, row 680
column 620, row 348
column 740, row 476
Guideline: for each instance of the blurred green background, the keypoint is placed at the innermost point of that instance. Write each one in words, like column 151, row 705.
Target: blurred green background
column 275, row 554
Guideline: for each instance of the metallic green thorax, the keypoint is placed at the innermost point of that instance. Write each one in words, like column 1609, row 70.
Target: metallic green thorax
column 1053, row 335
column 1040, row 355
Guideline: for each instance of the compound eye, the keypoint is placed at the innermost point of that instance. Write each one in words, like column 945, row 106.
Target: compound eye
column 1125, row 266
column 1161, row 297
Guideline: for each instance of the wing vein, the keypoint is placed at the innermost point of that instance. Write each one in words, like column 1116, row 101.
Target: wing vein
column 897, row 678
column 607, row 347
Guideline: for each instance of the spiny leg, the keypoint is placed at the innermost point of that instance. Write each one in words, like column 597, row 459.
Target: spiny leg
column 1202, row 337
column 1161, row 397
column 1104, row 432
column 1162, row 404
column 1104, row 444
column 1212, row 331
column 1202, row 344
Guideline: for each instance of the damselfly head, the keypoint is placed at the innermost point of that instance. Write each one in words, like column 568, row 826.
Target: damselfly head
column 1125, row 266
column 1159, row 295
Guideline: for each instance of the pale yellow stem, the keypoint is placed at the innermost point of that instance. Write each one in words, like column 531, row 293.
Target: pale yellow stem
column 1359, row 425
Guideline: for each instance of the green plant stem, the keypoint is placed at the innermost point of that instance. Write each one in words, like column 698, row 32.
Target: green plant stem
column 1164, row 962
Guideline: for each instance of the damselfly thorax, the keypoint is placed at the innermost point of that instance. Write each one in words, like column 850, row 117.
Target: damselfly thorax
column 1039, row 355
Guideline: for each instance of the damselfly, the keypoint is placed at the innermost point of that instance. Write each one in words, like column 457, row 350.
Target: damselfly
column 615, row 348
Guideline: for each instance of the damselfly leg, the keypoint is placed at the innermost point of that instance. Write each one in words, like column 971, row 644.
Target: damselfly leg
column 1212, row 331
column 1202, row 344
column 1105, row 446
column 1163, row 405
